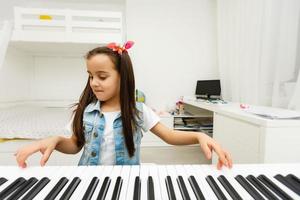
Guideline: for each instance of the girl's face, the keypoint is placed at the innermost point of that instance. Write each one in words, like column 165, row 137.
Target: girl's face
column 103, row 76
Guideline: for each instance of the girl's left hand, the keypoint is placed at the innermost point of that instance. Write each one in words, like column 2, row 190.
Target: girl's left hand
column 208, row 145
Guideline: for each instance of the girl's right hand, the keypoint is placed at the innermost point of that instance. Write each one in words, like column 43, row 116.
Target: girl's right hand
column 45, row 146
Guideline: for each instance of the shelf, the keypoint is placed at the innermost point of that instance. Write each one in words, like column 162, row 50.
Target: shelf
column 188, row 115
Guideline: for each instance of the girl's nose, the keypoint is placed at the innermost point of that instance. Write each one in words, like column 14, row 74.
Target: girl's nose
column 94, row 82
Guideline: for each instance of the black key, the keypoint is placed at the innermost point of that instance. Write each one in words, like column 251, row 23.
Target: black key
column 2, row 180
column 198, row 193
column 228, row 187
column 251, row 190
column 184, row 193
column 70, row 189
column 137, row 188
column 150, row 188
column 218, row 192
column 293, row 180
column 260, row 187
column 92, row 186
column 12, row 187
column 23, row 189
column 117, row 189
column 57, row 188
column 272, row 186
column 36, row 189
column 104, row 189
column 287, row 183
column 170, row 188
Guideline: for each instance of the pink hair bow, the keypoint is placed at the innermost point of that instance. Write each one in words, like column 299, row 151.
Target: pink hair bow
column 115, row 47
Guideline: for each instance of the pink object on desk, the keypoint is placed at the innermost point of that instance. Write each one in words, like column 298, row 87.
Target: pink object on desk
column 244, row 106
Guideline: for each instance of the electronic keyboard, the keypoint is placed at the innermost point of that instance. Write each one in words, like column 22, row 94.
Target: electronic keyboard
column 150, row 181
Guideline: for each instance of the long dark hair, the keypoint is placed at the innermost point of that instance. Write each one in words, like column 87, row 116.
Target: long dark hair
column 127, row 98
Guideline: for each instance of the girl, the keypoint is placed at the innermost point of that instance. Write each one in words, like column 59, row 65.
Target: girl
column 108, row 122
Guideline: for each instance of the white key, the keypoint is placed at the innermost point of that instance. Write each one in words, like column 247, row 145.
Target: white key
column 230, row 176
column 102, row 171
column 172, row 173
column 214, row 172
column 70, row 174
column 144, row 177
column 82, row 174
column 114, row 174
column 200, row 178
column 153, row 171
column 181, row 172
column 135, row 170
column 162, row 172
column 54, row 178
column 125, row 174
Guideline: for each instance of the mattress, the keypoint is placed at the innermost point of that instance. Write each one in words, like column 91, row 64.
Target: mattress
column 34, row 122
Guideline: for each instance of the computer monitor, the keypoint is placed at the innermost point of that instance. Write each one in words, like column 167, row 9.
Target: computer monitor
column 208, row 88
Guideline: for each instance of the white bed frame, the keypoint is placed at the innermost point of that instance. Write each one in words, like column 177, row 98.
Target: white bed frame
column 75, row 26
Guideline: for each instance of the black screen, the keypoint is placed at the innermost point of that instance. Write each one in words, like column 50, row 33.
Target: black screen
column 208, row 87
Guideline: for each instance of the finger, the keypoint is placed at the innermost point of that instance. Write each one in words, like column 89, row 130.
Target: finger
column 219, row 164
column 45, row 157
column 207, row 151
column 22, row 155
column 229, row 159
column 221, row 155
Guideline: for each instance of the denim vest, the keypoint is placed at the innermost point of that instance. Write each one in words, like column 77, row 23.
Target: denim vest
column 93, row 126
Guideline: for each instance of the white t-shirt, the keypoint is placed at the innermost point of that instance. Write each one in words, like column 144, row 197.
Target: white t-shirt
column 108, row 145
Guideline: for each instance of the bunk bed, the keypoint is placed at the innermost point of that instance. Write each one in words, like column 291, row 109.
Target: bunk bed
column 51, row 32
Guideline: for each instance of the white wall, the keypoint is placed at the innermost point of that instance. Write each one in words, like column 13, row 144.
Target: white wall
column 58, row 78
column 175, row 46
column 15, row 76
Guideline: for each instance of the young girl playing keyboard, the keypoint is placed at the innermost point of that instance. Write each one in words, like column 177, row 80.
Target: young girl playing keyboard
column 108, row 122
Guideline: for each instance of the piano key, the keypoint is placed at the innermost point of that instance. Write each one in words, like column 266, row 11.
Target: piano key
column 87, row 175
column 162, row 173
column 196, row 189
column 125, row 174
column 36, row 189
column 287, row 183
column 200, row 178
column 272, row 186
column 220, row 195
column 91, row 188
column 54, row 178
column 70, row 189
column 104, row 188
column 71, row 174
column 23, row 189
column 170, row 188
column 117, row 189
column 101, row 172
column 134, row 172
column 292, row 179
column 214, row 173
column 57, row 188
column 116, row 171
column 144, row 173
column 230, row 174
column 171, row 171
column 2, row 180
column 248, row 187
column 181, row 171
column 260, row 187
column 295, row 178
column 150, row 188
column 137, row 188
column 228, row 187
column 184, row 192
column 12, row 187
column 153, row 172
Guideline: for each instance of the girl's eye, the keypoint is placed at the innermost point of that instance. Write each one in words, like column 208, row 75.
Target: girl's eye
column 102, row 78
